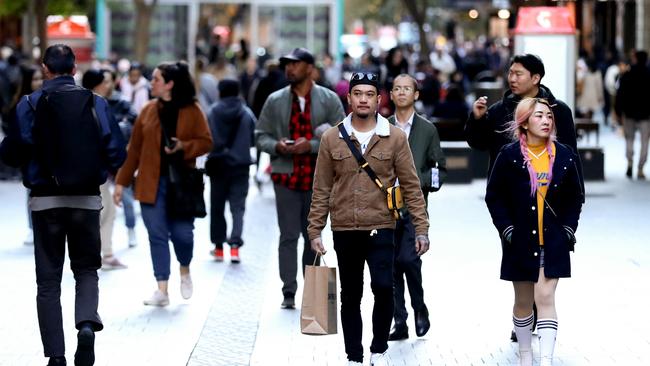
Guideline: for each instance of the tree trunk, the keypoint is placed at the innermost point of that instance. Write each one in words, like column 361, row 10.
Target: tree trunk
column 143, row 13
column 41, row 25
column 419, row 17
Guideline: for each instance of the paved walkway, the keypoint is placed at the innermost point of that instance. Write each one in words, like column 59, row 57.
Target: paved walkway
column 235, row 318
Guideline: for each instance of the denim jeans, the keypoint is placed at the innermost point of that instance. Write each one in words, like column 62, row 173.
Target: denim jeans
column 129, row 211
column 353, row 250
column 161, row 229
column 51, row 229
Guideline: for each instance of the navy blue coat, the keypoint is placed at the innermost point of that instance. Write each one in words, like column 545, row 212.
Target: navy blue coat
column 514, row 210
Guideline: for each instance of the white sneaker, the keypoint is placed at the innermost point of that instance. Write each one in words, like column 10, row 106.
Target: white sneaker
column 132, row 241
column 29, row 240
column 353, row 363
column 526, row 357
column 546, row 361
column 186, row 286
column 157, row 299
column 378, row 359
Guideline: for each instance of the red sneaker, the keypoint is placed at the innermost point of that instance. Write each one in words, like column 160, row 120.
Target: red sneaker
column 218, row 254
column 234, row 255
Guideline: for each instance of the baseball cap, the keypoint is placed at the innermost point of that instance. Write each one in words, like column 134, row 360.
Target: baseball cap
column 298, row 54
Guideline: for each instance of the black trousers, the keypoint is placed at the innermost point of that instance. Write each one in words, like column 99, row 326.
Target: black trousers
column 231, row 186
column 51, row 229
column 407, row 265
column 353, row 250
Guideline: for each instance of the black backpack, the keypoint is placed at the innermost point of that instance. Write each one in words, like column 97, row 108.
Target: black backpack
column 67, row 138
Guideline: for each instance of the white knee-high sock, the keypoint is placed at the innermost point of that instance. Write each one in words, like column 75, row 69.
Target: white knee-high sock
column 523, row 330
column 547, row 331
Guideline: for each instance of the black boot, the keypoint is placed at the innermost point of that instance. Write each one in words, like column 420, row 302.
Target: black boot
column 57, row 361
column 422, row 322
column 85, row 354
column 400, row 331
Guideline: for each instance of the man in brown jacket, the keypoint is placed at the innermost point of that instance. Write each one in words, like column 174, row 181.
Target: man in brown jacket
column 361, row 222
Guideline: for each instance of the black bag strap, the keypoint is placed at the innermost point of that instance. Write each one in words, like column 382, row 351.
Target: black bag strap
column 360, row 159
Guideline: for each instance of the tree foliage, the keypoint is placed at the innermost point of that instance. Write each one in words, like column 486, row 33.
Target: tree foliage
column 62, row 7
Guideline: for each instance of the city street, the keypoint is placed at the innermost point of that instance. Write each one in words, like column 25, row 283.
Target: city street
column 235, row 317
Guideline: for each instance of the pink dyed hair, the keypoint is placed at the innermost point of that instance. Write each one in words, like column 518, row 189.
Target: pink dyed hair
column 523, row 112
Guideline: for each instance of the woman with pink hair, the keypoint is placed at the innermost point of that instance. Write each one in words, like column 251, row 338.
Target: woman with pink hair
column 535, row 197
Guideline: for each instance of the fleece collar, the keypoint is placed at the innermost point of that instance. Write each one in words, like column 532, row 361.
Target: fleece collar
column 382, row 128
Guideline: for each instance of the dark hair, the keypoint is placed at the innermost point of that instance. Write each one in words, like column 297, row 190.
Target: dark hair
column 641, row 58
column 92, row 78
column 136, row 66
column 59, row 59
column 183, row 92
column 228, row 88
column 530, row 62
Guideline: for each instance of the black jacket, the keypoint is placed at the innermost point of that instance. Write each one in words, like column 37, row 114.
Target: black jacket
column 514, row 210
column 633, row 95
column 485, row 133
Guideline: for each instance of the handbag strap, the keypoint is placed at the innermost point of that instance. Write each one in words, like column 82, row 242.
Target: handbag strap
column 360, row 159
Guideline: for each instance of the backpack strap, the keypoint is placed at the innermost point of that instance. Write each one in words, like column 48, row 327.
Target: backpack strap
column 360, row 159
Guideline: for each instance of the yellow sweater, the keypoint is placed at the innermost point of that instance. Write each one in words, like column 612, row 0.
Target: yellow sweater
column 540, row 160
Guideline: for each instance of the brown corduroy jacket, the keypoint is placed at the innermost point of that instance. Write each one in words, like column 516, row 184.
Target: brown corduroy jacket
column 143, row 154
column 347, row 192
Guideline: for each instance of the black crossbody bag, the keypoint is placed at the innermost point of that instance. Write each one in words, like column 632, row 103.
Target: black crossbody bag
column 393, row 194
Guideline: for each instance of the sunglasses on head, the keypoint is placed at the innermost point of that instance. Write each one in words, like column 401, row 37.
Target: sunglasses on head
column 362, row 75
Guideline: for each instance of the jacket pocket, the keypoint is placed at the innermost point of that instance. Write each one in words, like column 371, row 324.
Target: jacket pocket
column 381, row 162
column 343, row 161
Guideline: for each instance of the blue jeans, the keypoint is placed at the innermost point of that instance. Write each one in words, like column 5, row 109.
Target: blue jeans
column 129, row 212
column 161, row 228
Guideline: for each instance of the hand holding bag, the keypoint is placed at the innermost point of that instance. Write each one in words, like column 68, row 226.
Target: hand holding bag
column 318, row 313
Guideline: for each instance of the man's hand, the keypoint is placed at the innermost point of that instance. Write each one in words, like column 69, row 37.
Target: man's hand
column 479, row 108
column 302, row 146
column 178, row 145
column 421, row 244
column 117, row 195
column 317, row 246
column 282, row 148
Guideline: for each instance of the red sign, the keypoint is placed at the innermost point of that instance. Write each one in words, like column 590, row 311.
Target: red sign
column 545, row 20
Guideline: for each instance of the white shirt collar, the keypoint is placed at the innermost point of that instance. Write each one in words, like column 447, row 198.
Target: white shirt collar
column 382, row 128
column 409, row 121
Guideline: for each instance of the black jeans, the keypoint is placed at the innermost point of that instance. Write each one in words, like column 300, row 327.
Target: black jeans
column 51, row 229
column 353, row 249
column 292, row 208
column 407, row 264
column 231, row 186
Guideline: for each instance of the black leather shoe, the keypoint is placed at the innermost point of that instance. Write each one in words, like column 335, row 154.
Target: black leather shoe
column 85, row 354
column 57, row 361
column 422, row 322
column 400, row 331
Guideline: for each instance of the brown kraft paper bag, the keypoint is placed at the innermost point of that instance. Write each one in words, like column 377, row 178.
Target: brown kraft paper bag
column 318, row 313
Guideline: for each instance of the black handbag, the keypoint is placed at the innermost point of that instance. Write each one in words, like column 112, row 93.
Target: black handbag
column 185, row 189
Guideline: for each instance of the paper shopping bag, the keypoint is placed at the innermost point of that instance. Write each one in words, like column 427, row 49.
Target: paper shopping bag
column 318, row 311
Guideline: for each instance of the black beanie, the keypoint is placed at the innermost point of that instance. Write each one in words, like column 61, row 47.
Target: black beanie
column 228, row 88
column 92, row 78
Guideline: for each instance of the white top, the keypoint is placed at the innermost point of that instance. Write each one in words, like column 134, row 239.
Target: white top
column 364, row 138
column 406, row 126
column 302, row 102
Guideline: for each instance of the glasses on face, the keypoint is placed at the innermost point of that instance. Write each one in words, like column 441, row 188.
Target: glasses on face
column 405, row 89
column 364, row 75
